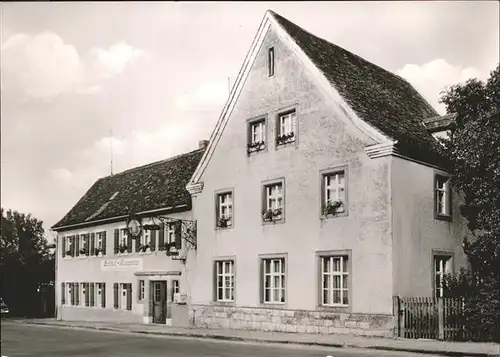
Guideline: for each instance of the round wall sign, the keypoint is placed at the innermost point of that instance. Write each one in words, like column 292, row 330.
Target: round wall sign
column 134, row 227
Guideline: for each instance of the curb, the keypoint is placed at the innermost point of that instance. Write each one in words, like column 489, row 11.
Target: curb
column 264, row 340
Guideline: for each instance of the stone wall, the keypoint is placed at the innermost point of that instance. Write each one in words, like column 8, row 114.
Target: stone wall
column 301, row 321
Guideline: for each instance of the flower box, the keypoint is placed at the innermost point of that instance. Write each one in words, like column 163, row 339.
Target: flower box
column 271, row 215
column 285, row 138
column 255, row 147
column 223, row 222
column 333, row 207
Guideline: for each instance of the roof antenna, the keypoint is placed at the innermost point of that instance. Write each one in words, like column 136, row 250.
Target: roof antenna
column 111, row 148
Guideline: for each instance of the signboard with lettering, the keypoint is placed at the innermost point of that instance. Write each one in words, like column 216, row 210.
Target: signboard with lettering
column 122, row 264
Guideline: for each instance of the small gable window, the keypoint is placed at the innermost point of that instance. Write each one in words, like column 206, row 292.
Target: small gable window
column 270, row 61
column 442, row 197
column 286, row 128
column 224, row 209
column 256, row 135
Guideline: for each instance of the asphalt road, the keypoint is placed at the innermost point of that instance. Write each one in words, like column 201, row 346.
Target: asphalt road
column 47, row 341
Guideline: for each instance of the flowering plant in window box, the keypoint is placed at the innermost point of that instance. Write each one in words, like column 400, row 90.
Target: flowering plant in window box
column 122, row 248
column 69, row 252
column 222, row 222
column 332, row 207
column 144, row 248
column 98, row 252
column 271, row 215
column 285, row 138
column 255, row 146
column 83, row 251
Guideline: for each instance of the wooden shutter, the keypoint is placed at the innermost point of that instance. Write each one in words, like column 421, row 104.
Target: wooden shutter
column 73, row 246
column 153, row 240
column 77, row 245
column 150, row 299
column 138, row 242
column 117, row 238
column 63, row 244
column 92, row 244
column 161, row 237
column 129, row 243
column 92, row 293
column 103, row 236
column 178, row 234
column 115, row 295
column 87, row 294
column 129, row 296
column 215, row 282
column 63, row 293
column 103, row 295
column 139, row 285
column 77, row 293
column 86, row 244
column 72, row 293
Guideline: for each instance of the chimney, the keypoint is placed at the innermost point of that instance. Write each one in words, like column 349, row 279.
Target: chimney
column 202, row 144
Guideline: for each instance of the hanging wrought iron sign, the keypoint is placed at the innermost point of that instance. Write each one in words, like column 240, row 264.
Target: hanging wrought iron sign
column 134, row 227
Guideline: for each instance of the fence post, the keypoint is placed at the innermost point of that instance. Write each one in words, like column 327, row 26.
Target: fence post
column 396, row 308
column 440, row 318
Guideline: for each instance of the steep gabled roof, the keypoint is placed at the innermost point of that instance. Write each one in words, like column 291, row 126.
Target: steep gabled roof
column 160, row 185
column 379, row 103
column 379, row 97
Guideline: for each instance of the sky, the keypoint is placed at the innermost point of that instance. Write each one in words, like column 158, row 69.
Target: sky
column 148, row 80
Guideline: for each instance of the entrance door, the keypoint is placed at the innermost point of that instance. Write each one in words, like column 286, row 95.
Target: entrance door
column 159, row 302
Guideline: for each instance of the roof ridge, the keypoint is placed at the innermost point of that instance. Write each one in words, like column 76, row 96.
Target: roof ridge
column 351, row 53
column 142, row 167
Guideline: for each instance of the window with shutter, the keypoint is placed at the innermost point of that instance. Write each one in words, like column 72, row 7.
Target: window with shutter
column 115, row 295
column 63, row 293
column 92, row 294
column 103, row 294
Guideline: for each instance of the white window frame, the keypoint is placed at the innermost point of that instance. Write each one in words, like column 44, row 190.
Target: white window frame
column 98, row 240
column 69, row 290
column 97, row 294
column 442, row 267
column 81, row 243
column 331, row 274
column 225, row 202
column 442, row 204
column 124, row 238
column 83, row 292
column 270, row 62
column 274, row 273
column 69, row 245
column 223, row 275
column 258, row 131
column 169, row 232
column 142, row 290
column 122, row 303
column 275, row 197
column 333, row 186
column 175, row 286
column 287, row 123
column 145, row 238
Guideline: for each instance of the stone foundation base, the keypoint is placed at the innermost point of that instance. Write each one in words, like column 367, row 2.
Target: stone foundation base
column 301, row 321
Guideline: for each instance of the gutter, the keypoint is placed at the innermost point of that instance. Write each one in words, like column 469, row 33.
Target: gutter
column 117, row 218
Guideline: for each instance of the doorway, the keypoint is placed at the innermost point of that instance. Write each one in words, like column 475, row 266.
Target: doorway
column 159, row 296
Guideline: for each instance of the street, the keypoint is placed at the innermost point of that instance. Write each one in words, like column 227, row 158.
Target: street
column 32, row 340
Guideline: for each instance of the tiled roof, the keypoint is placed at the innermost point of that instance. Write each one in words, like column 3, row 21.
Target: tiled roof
column 379, row 97
column 150, row 187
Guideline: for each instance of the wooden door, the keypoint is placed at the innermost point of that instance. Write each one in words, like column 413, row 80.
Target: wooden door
column 159, row 301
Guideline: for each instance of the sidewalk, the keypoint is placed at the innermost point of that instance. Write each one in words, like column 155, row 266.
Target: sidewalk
column 406, row 345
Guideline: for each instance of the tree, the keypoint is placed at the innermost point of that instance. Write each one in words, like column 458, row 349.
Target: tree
column 25, row 260
column 474, row 150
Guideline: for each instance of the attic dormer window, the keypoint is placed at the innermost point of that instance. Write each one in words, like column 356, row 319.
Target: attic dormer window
column 270, row 61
